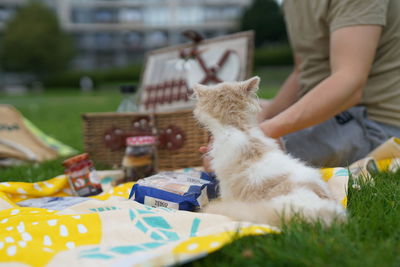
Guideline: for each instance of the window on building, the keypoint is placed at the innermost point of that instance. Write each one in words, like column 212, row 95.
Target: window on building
column 82, row 15
column 104, row 40
column 190, row 15
column 86, row 40
column 5, row 14
column 157, row 38
column 211, row 13
column 232, row 12
column 133, row 39
column 130, row 15
column 156, row 15
column 104, row 15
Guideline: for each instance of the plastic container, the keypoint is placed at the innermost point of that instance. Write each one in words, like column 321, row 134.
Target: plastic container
column 189, row 191
column 140, row 158
column 82, row 176
column 129, row 101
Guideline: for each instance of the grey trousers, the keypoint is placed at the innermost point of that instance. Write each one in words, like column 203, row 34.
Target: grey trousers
column 339, row 141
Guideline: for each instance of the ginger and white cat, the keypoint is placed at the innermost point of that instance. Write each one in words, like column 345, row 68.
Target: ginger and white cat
column 258, row 181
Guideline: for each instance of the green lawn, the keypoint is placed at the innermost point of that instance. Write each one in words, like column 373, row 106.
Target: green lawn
column 370, row 238
column 57, row 113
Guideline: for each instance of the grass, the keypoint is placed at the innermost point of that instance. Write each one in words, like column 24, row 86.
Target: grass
column 370, row 238
column 57, row 113
column 32, row 172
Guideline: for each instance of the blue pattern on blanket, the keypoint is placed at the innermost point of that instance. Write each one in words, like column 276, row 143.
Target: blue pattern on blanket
column 52, row 203
column 149, row 223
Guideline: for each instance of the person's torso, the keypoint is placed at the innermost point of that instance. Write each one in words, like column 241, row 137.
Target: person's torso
column 309, row 23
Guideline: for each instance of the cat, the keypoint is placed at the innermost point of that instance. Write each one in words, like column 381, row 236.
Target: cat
column 259, row 182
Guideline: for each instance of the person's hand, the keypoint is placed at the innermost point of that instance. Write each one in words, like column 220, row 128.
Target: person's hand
column 266, row 128
column 206, row 157
column 265, row 105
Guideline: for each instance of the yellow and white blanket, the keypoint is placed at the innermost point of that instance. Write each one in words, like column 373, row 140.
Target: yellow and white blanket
column 110, row 230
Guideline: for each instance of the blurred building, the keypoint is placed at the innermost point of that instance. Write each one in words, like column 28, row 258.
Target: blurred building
column 118, row 32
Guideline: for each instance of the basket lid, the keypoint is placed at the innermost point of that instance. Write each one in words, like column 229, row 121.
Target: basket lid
column 140, row 140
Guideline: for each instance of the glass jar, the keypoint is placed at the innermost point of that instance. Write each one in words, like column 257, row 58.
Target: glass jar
column 129, row 101
column 82, row 176
column 140, row 157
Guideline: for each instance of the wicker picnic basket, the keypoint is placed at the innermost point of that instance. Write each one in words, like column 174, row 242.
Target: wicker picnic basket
column 165, row 108
column 179, row 137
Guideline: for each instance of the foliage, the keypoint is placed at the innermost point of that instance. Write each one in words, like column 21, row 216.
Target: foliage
column 273, row 55
column 266, row 19
column 268, row 55
column 33, row 42
column 71, row 78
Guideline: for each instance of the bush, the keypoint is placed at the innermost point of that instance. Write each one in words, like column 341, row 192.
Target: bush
column 273, row 55
column 70, row 79
column 265, row 17
column 34, row 43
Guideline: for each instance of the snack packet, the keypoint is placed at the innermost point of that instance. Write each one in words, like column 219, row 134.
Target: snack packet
column 182, row 191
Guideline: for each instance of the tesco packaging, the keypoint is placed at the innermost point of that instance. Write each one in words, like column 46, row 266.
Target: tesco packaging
column 182, row 191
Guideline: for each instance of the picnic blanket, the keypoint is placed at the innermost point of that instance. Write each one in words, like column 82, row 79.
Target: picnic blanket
column 41, row 224
column 111, row 230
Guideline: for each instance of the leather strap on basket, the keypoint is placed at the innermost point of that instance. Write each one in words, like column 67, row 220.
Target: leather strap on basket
column 210, row 72
column 115, row 138
column 170, row 138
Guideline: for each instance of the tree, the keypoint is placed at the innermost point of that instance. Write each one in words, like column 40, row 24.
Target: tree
column 266, row 18
column 34, row 43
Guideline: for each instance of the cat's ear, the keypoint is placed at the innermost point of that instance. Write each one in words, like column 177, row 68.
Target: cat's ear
column 251, row 85
column 199, row 90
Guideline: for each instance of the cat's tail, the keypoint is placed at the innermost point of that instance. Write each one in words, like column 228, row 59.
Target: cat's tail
column 267, row 212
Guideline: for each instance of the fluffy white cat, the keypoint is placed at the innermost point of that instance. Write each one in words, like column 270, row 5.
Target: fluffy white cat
column 258, row 181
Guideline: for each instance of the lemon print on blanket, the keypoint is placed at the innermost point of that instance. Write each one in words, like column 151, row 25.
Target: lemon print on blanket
column 33, row 236
column 327, row 173
column 211, row 243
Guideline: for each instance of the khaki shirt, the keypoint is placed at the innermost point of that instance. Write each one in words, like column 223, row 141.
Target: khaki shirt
column 309, row 24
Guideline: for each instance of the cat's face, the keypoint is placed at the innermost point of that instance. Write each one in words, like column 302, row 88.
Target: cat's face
column 229, row 103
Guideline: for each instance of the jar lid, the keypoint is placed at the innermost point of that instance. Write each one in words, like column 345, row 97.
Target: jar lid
column 140, row 140
column 71, row 161
column 128, row 88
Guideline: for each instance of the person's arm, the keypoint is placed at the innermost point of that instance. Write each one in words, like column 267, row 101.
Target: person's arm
column 352, row 51
column 287, row 95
